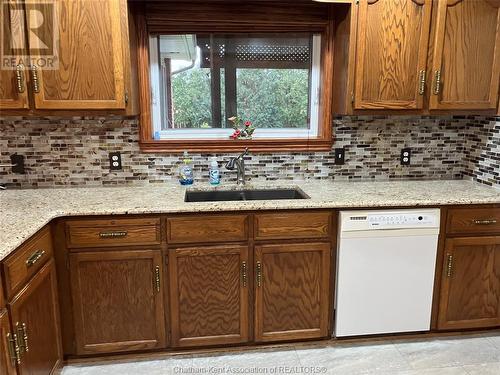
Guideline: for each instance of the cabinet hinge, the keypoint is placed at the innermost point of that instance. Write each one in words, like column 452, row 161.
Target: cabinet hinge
column 126, row 97
column 352, row 97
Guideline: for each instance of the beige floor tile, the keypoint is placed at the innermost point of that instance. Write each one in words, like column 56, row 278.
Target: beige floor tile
column 354, row 360
column 449, row 352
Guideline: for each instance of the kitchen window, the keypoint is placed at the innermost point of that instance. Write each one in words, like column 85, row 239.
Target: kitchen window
column 267, row 65
column 198, row 81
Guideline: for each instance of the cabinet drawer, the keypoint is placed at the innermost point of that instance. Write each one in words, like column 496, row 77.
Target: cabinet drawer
column 292, row 225
column 27, row 260
column 207, row 228
column 473, row 220
column 112, row 232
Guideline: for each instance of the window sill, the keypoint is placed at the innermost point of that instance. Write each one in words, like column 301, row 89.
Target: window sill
column 225, row 146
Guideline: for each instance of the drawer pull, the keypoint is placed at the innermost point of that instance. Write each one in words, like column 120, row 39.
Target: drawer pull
column 259, row 274
column 244, row 273
column 485, row 222
column 421, row 86
column 35, row 257
column 20, row 78
column 34, row 79
column 14, row 350
column 157, row 278
column 118, row 234
column 22, row 334
column 449, row 266
column 437, row 82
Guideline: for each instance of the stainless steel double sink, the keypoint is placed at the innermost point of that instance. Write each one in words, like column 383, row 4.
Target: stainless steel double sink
column 244, row 195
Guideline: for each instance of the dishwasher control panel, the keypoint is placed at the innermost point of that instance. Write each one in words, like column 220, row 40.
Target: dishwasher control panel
column 405, row 219
column 396, row 219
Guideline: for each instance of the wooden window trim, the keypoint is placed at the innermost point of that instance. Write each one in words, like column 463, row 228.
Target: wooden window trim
column 323, row 142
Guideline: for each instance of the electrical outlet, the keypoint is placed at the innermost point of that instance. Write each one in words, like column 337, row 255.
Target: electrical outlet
column 17, row 163
column 339, row 156
column 115, row 161
column 406, row 156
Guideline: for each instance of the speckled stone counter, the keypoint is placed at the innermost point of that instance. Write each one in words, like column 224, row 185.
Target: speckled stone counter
column 23, row 212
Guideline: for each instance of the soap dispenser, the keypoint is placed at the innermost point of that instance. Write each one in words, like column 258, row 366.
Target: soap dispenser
column 186, row 175
column 214, row 172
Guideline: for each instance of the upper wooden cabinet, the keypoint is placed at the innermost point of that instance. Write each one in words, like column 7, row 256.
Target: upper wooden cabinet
column 391, row 53
column 89, row 67
column 421, row 56
column 90, row 73
column 13, row 90
column 466, row 61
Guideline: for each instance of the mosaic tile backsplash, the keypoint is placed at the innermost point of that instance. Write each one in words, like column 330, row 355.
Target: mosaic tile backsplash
column 74, row 152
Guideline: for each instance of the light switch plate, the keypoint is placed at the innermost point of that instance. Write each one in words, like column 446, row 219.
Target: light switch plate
column 339, row 156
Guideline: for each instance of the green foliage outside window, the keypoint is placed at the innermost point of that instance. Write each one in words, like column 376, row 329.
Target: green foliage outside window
column 270, row 98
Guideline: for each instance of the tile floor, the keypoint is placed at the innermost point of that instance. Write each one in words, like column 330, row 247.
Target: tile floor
column 469, row 355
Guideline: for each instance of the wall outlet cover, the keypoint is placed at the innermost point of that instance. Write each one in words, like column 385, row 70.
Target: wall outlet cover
column 115, row 161
column 406, row 156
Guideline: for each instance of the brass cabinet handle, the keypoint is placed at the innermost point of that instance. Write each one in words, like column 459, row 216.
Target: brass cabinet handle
column 485, row 222
column 20, row 78
column 35, row 257
column 259, row 273
column 34, row 78
column 449, row 266
column 22, row 335
column 14, row 350
column 421, row 82
column 244, row 273
column 122, row 233
column 437, row 82
column 157, row 278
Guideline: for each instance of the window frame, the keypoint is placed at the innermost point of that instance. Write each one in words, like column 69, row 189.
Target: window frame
column 322, row 142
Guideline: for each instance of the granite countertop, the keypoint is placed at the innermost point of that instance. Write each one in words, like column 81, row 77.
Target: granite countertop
column 23, row 212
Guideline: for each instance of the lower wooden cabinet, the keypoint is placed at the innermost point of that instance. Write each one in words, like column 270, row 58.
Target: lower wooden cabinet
column 35, row 319
column 117, row 300
column 470, row 294
column 209, row 294
column 292, row 291
column 7, row 365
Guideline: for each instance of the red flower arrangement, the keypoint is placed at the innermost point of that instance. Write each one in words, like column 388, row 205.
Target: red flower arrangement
column 244, row 132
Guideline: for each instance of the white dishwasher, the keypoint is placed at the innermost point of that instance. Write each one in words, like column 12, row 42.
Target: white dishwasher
column 385, row 271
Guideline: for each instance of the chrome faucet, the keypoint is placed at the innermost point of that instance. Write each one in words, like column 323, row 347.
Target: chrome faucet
column 239, row 162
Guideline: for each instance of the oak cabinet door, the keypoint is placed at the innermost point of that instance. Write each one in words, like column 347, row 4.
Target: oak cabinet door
column 90, row 64
column 118, row 300
column 7, row 365
column 466, row 58
column 391, row 53
column 13, row 90
column 35, row 318
column 209, row 295
column 292, row 291
column 470, row 294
